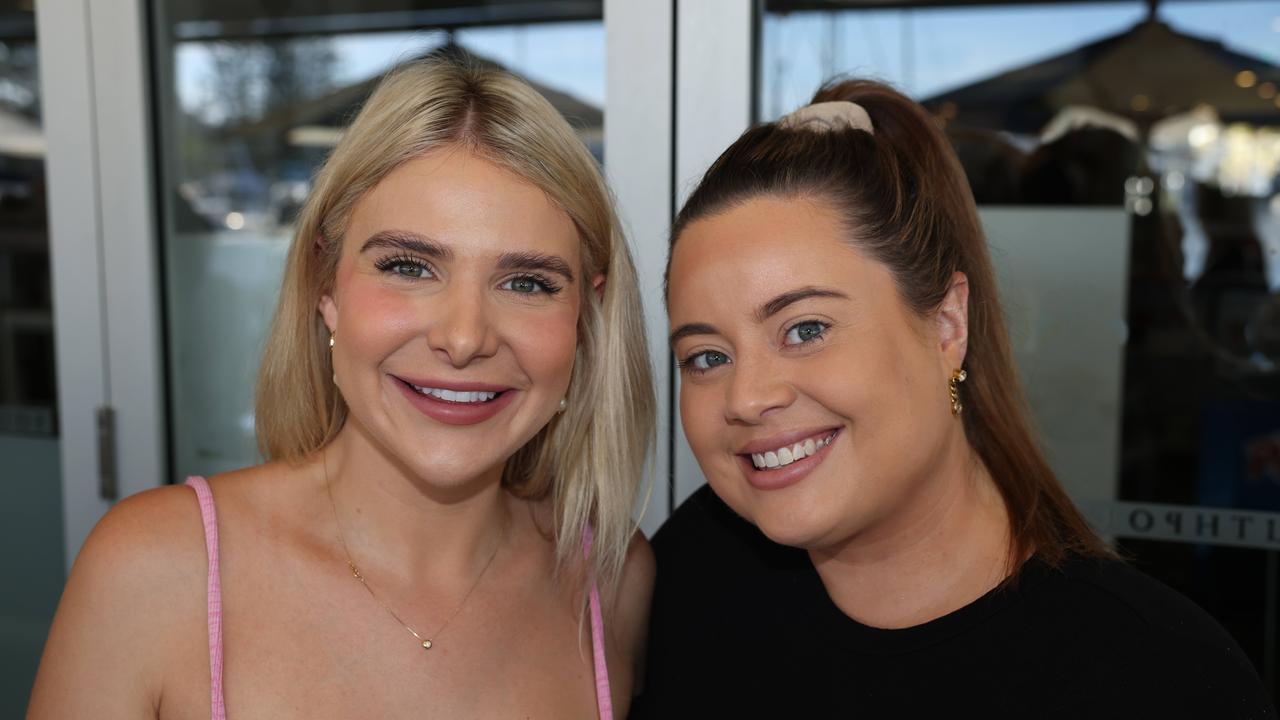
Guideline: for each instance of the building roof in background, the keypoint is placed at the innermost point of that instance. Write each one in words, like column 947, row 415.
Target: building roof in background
column 1145, row 73
column 322, row 118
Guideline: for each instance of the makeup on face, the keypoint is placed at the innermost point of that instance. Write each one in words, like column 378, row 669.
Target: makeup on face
column 456, row 403
column 455, row 310
column 805, row 390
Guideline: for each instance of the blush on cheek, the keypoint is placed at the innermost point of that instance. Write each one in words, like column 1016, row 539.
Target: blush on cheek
column 548, row 343
column 381, row 311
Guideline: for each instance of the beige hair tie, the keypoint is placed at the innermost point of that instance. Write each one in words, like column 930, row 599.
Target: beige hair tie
column 828, row 116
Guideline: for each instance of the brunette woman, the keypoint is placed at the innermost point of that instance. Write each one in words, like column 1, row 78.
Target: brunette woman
column 881, row 536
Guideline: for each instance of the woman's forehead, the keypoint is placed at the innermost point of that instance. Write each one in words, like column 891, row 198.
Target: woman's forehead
column 461, row 199
column 742, row 257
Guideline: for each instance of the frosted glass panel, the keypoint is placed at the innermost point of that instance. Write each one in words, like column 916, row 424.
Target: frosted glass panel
column 1062, row 275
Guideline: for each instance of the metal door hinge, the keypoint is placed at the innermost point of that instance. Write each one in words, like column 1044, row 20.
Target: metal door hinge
column 108, row 488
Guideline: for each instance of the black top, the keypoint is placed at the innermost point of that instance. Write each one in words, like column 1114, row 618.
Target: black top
column 743, row 627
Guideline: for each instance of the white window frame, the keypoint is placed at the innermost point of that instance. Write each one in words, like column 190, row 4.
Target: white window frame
column 95, row 95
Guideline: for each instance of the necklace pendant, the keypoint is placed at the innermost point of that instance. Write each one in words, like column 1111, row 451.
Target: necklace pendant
column 426, row 644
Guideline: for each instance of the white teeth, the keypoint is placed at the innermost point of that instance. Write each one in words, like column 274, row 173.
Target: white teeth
column 457, row 396
column 787, row 455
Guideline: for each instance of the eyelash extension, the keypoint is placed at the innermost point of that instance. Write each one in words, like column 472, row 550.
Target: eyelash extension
column 389, row 264
column 550, row 287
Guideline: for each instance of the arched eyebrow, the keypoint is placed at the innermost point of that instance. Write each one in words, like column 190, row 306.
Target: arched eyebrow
column 535, row 261
column 688, row 329
column 764, row 312
column 409, row 242
column 775, row 306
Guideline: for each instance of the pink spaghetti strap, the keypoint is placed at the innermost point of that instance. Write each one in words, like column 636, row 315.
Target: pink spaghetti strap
column 604, row 699
column 209, row 517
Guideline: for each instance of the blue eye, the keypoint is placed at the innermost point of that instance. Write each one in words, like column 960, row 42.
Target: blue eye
column 803, row 332
column 530, row 285
column 412, row 270
column 703, row 361
column 405, row 267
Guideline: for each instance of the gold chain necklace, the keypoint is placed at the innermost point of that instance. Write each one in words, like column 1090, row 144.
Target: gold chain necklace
column 427, row 643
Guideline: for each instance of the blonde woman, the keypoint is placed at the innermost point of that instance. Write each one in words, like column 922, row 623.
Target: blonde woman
column 455, row 408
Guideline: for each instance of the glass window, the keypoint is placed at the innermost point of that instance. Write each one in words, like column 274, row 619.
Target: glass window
column 1125, row 163
column 250, row 102
column 27, row 391
column 30, row 478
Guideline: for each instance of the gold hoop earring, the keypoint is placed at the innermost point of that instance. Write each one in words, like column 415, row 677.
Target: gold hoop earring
column 957, row 376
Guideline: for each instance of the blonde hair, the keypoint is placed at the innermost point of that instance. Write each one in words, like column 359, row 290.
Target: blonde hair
column 589, row 460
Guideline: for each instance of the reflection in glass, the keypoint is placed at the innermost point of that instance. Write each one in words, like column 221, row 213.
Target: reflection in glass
column 27, row 392
column 1167, row 116
column 250, row 106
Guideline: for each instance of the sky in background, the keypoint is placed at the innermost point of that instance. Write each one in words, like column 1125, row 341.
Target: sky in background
column 921, row 51
column 565, row 56
column 924, row 52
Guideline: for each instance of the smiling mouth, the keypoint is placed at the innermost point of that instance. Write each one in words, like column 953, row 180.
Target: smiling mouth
column 459, row 397
column 787, row 454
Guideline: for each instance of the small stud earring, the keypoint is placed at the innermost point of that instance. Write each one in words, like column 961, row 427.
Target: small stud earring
column 563, row 404
column 957, row 376
column 330, row 340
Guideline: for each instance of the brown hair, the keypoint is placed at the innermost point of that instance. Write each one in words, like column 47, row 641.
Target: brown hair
column 906, row 203
column 589, row 460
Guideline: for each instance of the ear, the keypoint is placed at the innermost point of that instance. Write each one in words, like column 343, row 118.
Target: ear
column 329, row 311
column 953, row 323
column 597, row 284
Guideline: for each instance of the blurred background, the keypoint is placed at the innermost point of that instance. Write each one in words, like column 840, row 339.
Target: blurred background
column 1124, row 156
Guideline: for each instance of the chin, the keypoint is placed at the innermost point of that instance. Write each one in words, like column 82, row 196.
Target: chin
column 788, row 519
column 803, row 533
column 454, row 470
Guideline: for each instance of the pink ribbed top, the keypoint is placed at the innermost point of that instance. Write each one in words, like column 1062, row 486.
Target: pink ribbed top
column 209, row 516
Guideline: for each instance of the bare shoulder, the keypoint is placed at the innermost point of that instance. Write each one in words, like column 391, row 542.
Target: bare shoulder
column 137, row 580
column 260, row 493
column 142, row 542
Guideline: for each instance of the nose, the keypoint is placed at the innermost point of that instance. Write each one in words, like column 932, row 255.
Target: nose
column 461, row 327
column 756, row 388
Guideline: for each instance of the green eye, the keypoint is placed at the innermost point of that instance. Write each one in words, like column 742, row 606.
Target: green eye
column 804, row 332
